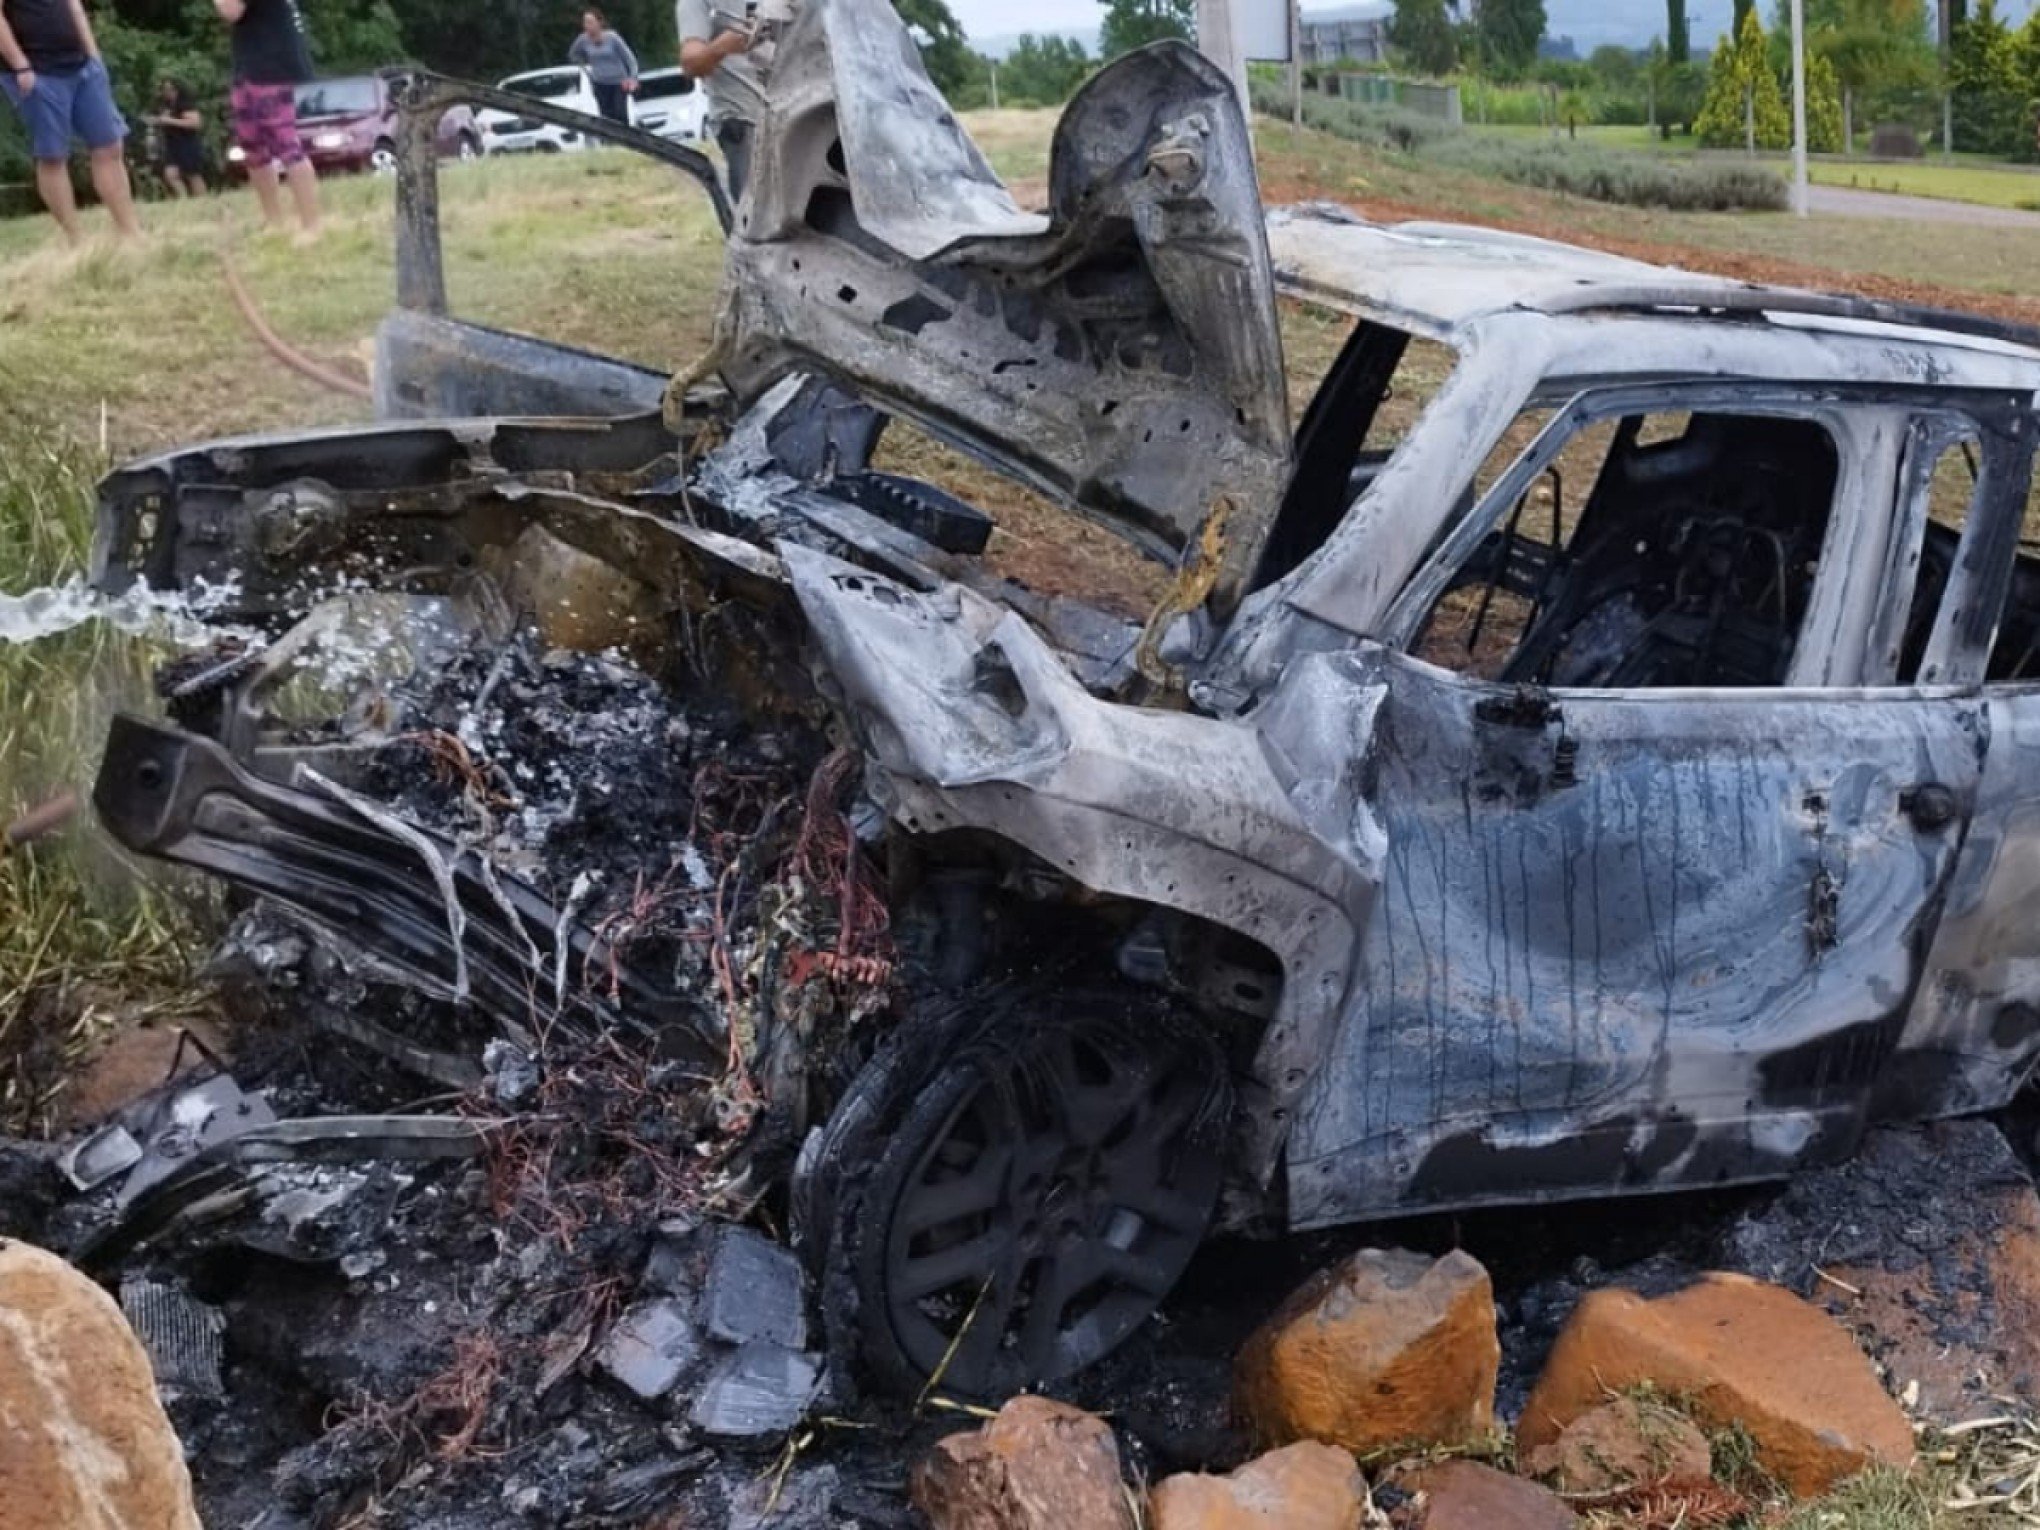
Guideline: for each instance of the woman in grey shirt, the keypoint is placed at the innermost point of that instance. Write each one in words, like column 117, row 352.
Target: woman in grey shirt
column 612, row 67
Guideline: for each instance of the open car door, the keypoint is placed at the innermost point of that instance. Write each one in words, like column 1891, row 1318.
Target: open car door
column 1119, row 353
column 430, row 365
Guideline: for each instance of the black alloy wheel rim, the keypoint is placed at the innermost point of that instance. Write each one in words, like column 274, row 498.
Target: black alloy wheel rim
column 1054, row 1208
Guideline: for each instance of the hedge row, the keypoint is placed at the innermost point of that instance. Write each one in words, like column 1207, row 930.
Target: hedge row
column 1558, row 164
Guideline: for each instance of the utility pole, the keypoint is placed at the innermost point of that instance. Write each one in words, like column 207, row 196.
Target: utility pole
column 1296, row 63
column 1800, row 198
column 1219, row 40
column 995, row 82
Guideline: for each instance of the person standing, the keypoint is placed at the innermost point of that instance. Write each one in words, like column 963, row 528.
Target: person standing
column 271, row 59
column 177, row 119
column 58, row 83
column 612, row 67
column 725, row 44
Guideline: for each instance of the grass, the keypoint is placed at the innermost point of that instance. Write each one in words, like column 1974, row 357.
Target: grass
column 1580, row 167
column 1989, row 186
column 81, row 933
column 1297, row 165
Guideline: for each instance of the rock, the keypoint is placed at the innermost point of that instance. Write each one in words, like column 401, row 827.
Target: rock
column 650, row 1348
column 1306, row 1486
column 1464, row 1495
column 131, row 1063
column 756, row 1290
column 1737, row 1351
column 1627, row 1442
column 757, row 1389
column 84, row 1442
column 1388, row 1348
column 1039, row 1465
column 1926, row 1245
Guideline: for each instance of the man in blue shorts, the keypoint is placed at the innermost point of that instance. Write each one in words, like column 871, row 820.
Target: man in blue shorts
column 56, row 80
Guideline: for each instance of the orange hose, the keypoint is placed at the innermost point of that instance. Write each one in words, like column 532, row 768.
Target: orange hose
column 281, row 349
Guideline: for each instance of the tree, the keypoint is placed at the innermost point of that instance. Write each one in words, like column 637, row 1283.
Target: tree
column 1422, row 32
column 1744, row 104
column 1615, row 68
column 1507, row 33
column 1983, row 77
column 1042, row 71
column 1743, row 11
column 1678, row 35
column 1823, row 107
column 1135, row 23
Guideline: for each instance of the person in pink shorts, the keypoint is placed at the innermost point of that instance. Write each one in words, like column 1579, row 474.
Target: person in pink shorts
column 271, row 59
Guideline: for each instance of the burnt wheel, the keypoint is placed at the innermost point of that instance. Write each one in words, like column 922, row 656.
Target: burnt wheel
column 1037, row 1199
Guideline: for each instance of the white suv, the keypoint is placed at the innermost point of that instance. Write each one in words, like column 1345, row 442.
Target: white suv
column 670, row 103
column 567, row 86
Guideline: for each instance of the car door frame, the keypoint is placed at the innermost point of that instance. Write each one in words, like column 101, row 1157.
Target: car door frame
column 1828, row 1072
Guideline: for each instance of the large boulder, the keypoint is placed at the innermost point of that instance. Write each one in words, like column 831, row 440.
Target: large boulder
column 1465, row 1495
column 1736, row 1351
column 1388, row 1348
column 1039, row 1465
column 1627, row 1442
column 84, row 1443
column 1306, row 1486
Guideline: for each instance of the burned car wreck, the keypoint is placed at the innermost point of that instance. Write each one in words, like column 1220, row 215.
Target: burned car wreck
column 1606, row 777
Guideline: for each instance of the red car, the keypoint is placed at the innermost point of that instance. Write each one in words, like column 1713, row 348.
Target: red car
column 351, row 124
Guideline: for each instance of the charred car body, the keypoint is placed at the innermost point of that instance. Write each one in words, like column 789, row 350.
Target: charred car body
column 1611, row 779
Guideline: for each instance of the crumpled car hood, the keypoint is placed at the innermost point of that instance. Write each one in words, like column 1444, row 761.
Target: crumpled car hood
column 1122, row 355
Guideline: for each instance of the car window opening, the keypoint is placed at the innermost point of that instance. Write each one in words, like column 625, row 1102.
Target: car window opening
column 1954, row 489
column 1656, row 551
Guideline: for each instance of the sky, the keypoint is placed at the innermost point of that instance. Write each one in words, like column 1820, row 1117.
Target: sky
column 1588, row 22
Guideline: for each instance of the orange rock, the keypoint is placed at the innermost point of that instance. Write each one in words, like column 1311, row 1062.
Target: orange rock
column 1389, row 1348
column 1736, row 1351
column 84, row 1443
column 1300, row 1487
column 1039, row 1465
column 1464, row 1495
column 1629, row 1442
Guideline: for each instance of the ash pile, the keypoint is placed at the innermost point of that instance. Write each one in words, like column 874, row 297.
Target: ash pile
column 410, row 1260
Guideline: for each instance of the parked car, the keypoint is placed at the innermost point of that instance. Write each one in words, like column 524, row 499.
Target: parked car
column 670, row 103
column 351, row 124
column 567, row 87
column 667, row 102
column 1590, row 755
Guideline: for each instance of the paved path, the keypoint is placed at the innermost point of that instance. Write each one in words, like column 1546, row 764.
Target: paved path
column 1849, row 202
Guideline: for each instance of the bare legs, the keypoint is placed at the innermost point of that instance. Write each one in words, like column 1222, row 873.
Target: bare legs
column 304, row 191
column 110, row 180
column 53, row 180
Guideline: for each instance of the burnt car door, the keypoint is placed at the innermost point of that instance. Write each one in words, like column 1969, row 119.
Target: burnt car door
column 1661, row 868
column 432, row 365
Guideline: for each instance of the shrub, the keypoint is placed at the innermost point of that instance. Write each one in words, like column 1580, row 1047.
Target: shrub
column 1604, row 175
column 1582, row 170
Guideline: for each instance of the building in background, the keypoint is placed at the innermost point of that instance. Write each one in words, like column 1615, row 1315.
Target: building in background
column 1357, row 33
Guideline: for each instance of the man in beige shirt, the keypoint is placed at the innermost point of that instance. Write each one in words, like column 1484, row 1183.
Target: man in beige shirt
column 727, row 45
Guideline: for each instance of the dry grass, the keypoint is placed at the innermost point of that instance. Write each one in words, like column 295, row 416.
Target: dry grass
column 81, row 933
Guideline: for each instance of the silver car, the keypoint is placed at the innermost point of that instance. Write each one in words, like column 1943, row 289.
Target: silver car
column 1584, row 756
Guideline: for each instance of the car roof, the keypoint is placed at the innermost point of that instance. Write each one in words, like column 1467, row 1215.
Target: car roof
column 1443, row 279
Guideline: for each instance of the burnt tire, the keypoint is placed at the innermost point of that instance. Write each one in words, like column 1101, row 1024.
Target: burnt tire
column 1028, row 1195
